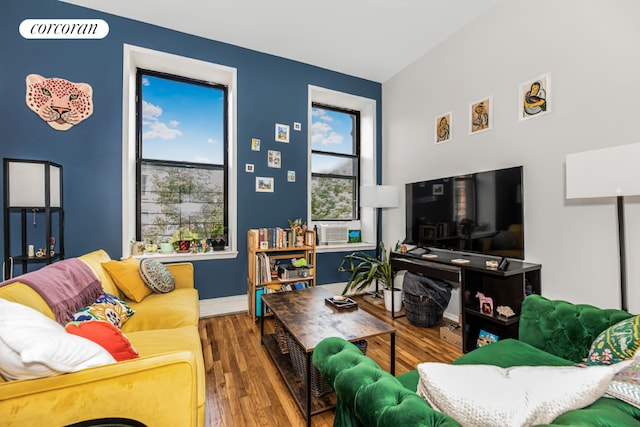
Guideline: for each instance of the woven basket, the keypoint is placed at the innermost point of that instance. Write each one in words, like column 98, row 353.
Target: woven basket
column 319, row 386
column 281, row 337
column 422, row 310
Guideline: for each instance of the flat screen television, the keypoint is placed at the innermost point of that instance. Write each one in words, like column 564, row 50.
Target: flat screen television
column 479, row 212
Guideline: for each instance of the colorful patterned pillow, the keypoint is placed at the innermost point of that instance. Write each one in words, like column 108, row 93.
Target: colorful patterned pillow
column 157, row 276
column 625, row 385
column 615, row 344
column 106, row 335
column 108, row 308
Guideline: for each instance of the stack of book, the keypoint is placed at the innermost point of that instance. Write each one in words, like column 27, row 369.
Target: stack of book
column 275, row 238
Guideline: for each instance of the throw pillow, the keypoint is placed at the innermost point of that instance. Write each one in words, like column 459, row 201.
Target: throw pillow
column 106, row 335
column 33, row 346
column 157, row 276
column 108, row 308
column 625, row 385
column 126, row 275
column 484, row 395
column 615, row 344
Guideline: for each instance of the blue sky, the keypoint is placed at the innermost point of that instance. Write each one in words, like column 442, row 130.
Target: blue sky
column 330, row 131
column 181, row 121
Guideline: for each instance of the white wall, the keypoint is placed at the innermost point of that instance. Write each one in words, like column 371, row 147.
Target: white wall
column 592, row 50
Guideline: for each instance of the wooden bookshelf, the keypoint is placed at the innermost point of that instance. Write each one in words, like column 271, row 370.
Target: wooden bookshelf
column 280, row 250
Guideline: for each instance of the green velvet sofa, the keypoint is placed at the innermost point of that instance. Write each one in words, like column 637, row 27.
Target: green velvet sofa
column 551, row 333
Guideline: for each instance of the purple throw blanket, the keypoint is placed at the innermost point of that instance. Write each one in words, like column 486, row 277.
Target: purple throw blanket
column 66, row 286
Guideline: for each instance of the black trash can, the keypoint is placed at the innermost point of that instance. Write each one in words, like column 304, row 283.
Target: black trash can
column 425, row 299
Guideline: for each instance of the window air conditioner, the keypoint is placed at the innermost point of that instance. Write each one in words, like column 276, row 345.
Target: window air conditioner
column 333, row 234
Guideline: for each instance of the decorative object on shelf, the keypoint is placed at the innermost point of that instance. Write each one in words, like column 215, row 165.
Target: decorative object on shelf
column 282, row 133
column 491, row 264
column 486, row 303
column 534, row 97
column 505, row 310
column 219, row 237
column 486, row 338
column 299, row 228
column 33, row 186
column 60, row 103
column 608, row 172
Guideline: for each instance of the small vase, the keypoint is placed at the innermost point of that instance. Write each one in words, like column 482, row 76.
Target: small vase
column 397, row 299
column 299, row 241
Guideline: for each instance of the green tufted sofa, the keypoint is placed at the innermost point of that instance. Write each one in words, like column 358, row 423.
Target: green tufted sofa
column 552, row 333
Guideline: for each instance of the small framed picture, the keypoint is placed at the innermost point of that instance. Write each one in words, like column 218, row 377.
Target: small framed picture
column 534, row 96
column 443, row 126
column 273, row 159
column 248, row 167
column 291, row 176
column 480, row 117
column 264, row 184
column 255, row 144
column 282, row 133
column 438, row 189
column 297, row 126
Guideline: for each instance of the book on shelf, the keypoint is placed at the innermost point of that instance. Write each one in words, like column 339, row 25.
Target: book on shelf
column 275, row 238
column 269, row 289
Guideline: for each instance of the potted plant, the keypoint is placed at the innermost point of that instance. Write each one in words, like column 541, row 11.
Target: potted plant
column 218, row 237
column 182, row 238
column 365, row 269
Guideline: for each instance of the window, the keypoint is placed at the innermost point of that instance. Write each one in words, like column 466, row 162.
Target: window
column 335, row 164
column 205, row 188
column 181, row 157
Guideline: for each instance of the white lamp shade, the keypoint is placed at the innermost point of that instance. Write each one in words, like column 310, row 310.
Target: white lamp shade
column 27, row 184
column 607, row 172
column 379, row 196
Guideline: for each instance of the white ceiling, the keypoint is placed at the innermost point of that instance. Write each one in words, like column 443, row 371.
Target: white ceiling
column 371, row 39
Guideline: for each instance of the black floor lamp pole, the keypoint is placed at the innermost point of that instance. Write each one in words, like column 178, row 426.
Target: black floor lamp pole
column 623, row 262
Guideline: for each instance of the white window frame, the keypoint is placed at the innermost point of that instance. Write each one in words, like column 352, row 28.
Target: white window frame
column 135, row 57
column 367, row 108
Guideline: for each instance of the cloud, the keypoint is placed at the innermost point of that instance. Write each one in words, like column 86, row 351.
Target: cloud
column 174, row 123
column 212, row 140
column 202, row 159
column 160, row 130
column 321, row 114
column 150, row 111
column 323, row 133
column 145, row 82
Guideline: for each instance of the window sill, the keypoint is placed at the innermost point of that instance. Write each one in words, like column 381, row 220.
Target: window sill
column 346, row 247
column 176, row 257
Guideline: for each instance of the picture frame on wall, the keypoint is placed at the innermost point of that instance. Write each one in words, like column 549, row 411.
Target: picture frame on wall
column 480, row 115
column 291, row 176
column 264, row 184
column 282, row 133
column 443, row 128
column 255, row 144
column 534, row 97
column 249, row 167
column 273, row 159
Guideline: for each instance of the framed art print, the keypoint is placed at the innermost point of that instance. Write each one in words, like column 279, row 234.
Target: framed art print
column 282, row 133
column 273, row 159
column 480, row 115
column 534, row 96
column 443, row 128
column 264, row 184
column 255, row 144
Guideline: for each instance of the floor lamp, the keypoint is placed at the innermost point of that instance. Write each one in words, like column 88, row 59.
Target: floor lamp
column 608, row 172
column 378, row 197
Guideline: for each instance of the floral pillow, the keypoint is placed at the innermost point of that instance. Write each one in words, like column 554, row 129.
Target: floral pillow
column 615, row 344
column 108, row 308
column 157, row 276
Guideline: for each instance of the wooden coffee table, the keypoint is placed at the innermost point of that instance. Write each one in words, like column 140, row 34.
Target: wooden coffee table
column 309, row 320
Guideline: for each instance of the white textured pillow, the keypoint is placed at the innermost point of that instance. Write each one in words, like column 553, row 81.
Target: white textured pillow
column 34, row 346
column 484, row 395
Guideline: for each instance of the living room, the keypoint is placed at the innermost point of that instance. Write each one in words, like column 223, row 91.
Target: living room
column 589, row 50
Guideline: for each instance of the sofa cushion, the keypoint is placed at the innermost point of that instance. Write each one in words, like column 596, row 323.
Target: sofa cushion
column 94, row 260
column 488, row 396
column 33, row 346
column 126, row 275
column 510, row 352
column 625, row 385
column 106, row 335
column 616, row 343
column 562, row 328
column 164, row 311
column 108, row 308
column 157, row 276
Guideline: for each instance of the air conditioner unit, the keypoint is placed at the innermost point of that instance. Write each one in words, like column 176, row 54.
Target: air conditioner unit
column 333, row 234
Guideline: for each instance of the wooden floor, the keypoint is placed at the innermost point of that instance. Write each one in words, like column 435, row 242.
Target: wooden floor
column 245, row 389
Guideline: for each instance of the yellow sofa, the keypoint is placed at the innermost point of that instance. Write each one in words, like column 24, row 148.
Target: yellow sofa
column 164, row 387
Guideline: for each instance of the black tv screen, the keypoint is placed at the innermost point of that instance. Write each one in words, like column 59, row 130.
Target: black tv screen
column 479, row 212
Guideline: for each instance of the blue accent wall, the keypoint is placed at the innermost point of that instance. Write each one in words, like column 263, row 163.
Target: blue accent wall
column 270, row 90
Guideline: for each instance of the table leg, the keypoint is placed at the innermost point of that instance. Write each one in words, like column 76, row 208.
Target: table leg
column 393, row 353
column 261, row 320
column 309, row 367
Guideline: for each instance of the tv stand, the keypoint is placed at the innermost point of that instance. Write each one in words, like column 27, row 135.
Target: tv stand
column 507, row 287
